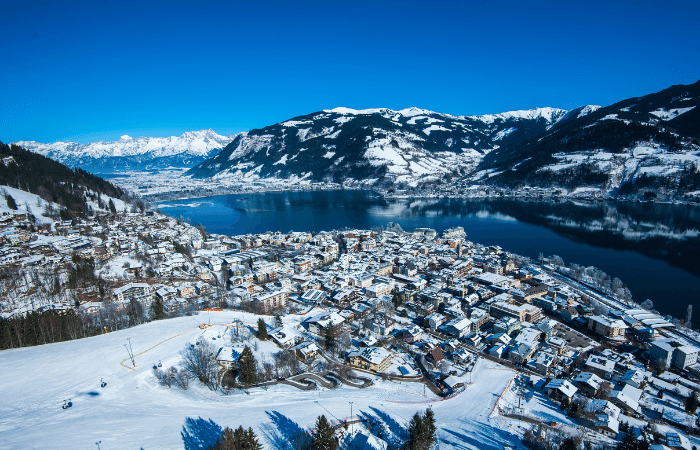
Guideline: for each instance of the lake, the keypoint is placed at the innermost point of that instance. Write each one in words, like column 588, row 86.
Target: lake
column 653, row 248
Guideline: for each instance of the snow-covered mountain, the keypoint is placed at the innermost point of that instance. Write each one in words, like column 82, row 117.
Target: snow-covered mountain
column 135, row 153
column 373, row 145
column 644, row 146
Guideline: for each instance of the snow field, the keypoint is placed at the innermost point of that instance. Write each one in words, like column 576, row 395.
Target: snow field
column 133, row 411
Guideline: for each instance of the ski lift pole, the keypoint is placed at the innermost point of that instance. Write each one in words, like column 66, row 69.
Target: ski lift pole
column 130, row 352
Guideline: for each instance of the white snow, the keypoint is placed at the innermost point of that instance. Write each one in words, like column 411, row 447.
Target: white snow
column 199, row 143
column 329, row 155
column 671, row 113
column 343, row 119
column 343, row 110
column 282, row 160
column 133, row 411
column 412, row 120
column 333, row 135
column 549, row 114
column 503, row 133
column 434, row 128
column 586, row 110
column 31, row 203
column 295, row 123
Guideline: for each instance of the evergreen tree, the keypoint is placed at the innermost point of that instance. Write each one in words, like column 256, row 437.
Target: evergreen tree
column 324, row 436
column 247, row 367
column 251, row 441
column 415, row 431
column 396, row 300
column 239, row 437
column 225, row 441
column 568, row 444
column 262, row 330
column 157, row 311
column 629, row 442
column 329, row 337
column 112, row 208
column 429, row 426
column 10, row 202
column 421, row 431
column 691, row 404
column 241, row 440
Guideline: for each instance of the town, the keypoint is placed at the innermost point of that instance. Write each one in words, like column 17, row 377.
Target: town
column 407, row 307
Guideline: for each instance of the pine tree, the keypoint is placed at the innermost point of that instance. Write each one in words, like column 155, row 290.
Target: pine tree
column 251, row 441
column 240, row 440
column 157, row 311
column 10, row 202
column 429, row 427
column 628, row 441
column 329, row 337
column 262, row 330
column 396, row 300
column 568, row 444
column 421, row 431
column 324, row 436
column 239, row 437
column 112, row 208
column 415, row 431
column 691, row 404
column 247, row 367
column 225, row 441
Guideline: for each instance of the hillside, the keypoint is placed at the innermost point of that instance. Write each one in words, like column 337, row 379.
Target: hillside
column 407, row 146
column 640, row 146
column 78, row 191
column 134, row 411
column 143, row 153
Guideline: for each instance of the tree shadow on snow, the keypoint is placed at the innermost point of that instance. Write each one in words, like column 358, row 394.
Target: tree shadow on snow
column 385, row 427
column 479, row 436
column 199, row 434
column 398, row 430
column 285, row 434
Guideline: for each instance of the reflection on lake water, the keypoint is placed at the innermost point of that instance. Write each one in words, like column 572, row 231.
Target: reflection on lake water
column 653, row 248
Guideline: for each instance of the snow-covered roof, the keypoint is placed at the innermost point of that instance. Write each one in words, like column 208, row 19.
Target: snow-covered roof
column 564, row 386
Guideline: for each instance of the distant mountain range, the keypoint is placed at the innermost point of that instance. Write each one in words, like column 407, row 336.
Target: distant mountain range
column 143, row 153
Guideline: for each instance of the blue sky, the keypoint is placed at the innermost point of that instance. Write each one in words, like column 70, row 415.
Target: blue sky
column 90, row 70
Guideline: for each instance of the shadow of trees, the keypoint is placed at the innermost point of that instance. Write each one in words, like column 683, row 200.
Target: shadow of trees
column 199, row 434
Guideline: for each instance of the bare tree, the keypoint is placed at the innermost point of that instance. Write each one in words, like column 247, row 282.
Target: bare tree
column 199, row 361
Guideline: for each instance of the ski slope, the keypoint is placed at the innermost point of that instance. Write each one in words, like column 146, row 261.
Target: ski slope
column 133, row 411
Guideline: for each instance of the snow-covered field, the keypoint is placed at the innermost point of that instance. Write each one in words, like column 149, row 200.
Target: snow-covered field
column 133, row 411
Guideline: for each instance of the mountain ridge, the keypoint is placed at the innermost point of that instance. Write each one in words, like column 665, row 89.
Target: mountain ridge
column 409, row 145
column 143, row 152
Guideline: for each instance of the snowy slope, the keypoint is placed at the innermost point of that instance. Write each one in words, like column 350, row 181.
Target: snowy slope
column 191, row 146
column 132, row 411
column 26, row 202
column 643, row 146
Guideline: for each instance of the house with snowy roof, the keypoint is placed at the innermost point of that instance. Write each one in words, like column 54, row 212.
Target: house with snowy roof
column 588, row 383
column 375, row 359
column 560, row 388
column 627, row 398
